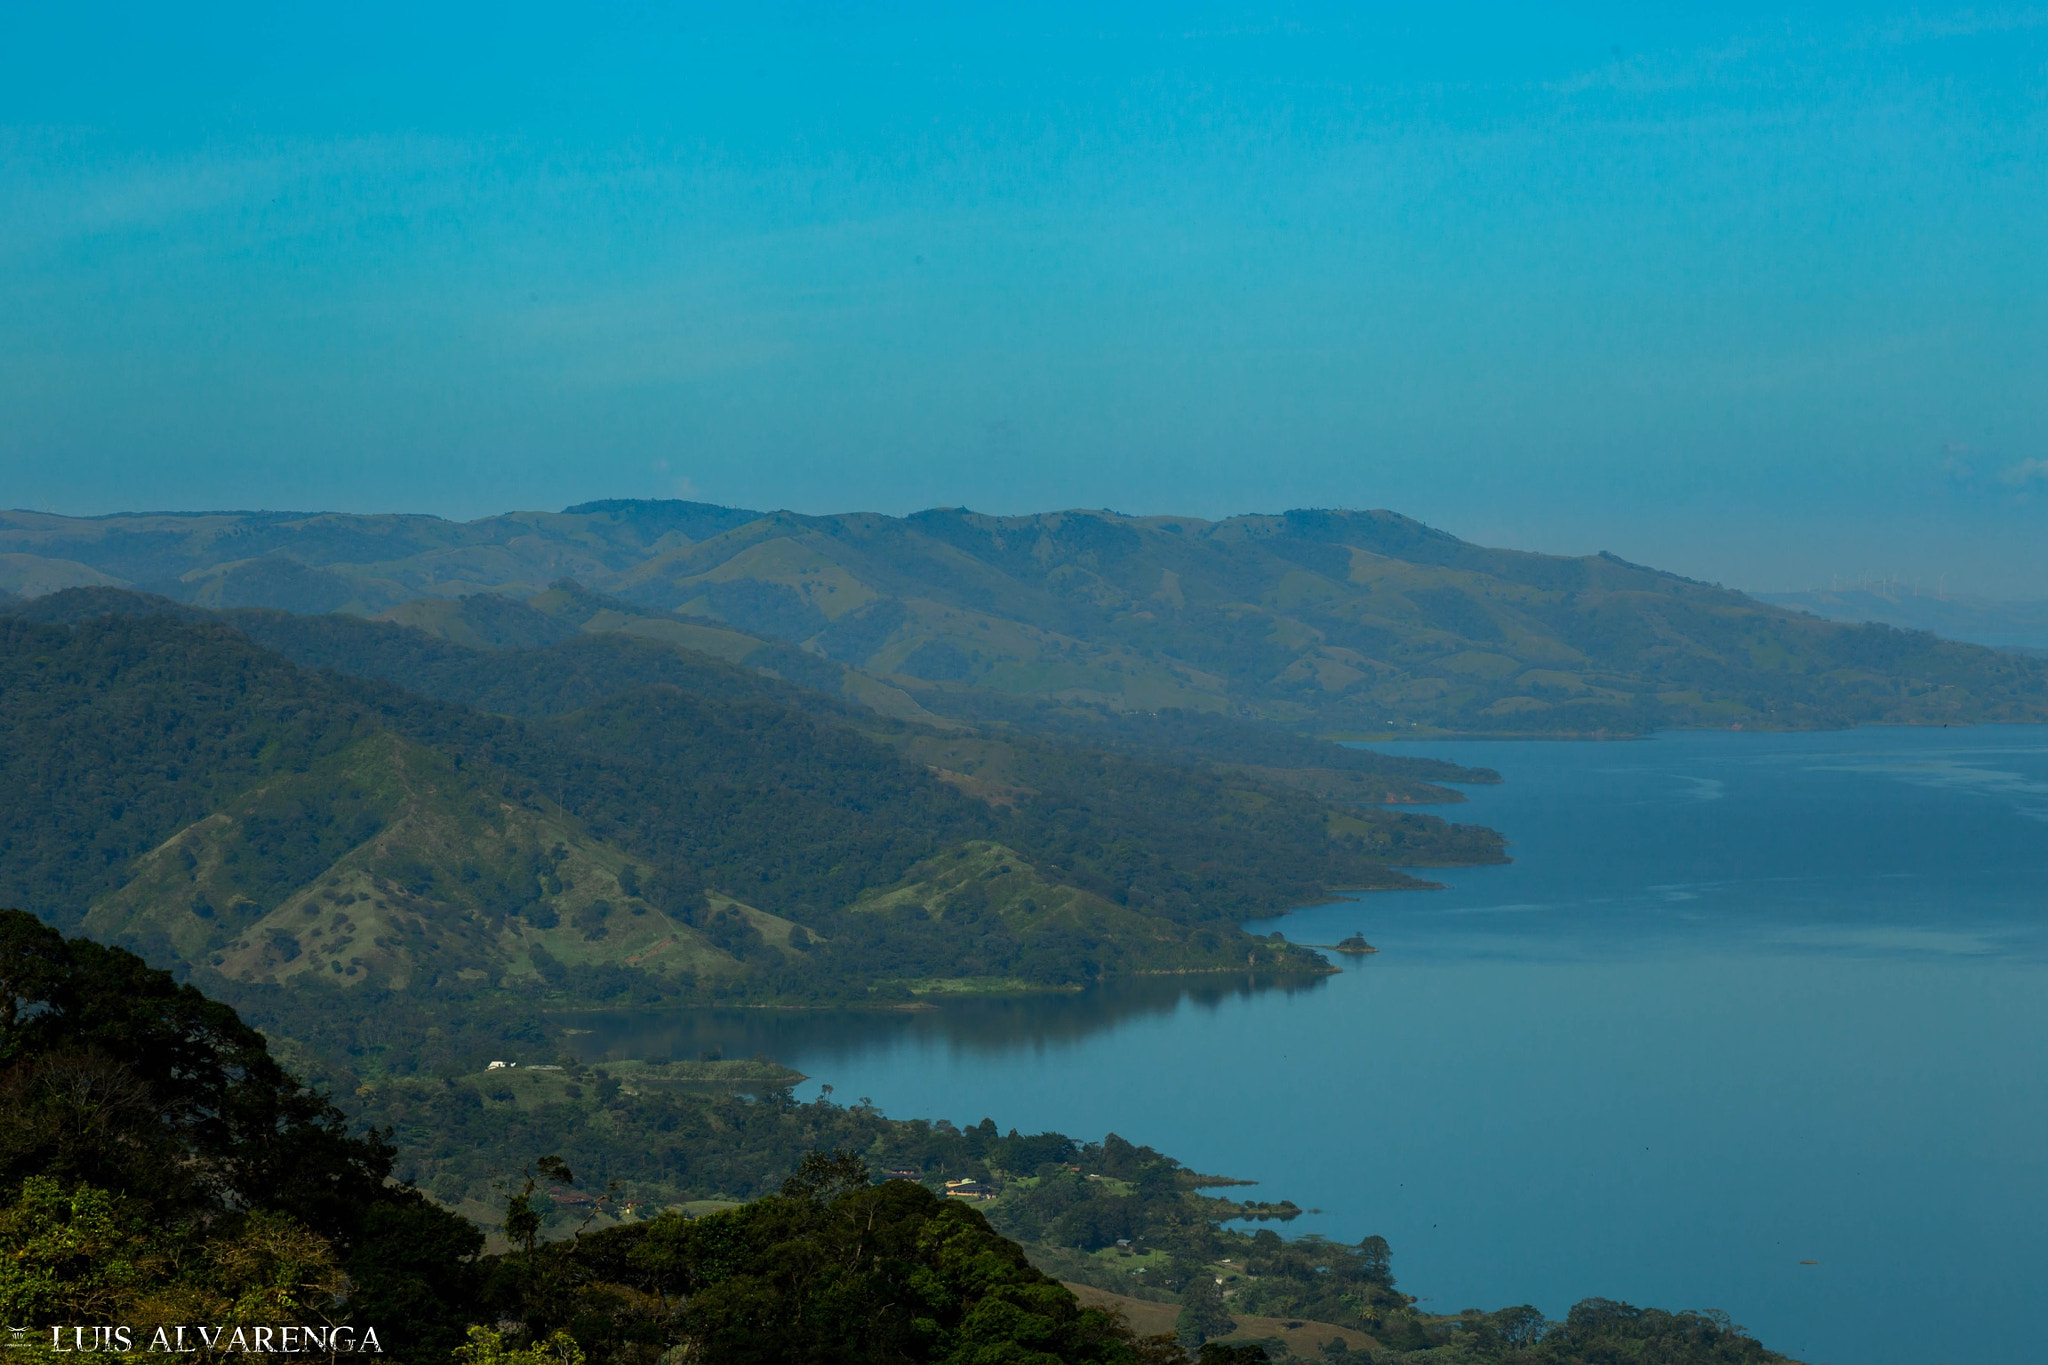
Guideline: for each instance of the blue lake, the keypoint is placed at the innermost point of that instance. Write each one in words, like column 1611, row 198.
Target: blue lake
column 1741, row 1003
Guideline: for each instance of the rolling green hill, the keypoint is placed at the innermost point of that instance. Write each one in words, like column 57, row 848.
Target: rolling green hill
column 1324, row 621
column 381, row 865
column 632, row 822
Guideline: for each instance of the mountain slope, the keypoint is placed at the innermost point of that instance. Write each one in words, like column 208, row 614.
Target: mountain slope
column 382, row 865
column 115, row 738
column 595, row 646
column 659, row 826
column 1324, row 621
column 1050, row 793
column 1364, row 621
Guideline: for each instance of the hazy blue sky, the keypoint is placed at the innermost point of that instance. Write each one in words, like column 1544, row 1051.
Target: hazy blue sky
column 1757, row 294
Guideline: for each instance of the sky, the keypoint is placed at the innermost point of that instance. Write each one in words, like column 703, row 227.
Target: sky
column 1753, row 293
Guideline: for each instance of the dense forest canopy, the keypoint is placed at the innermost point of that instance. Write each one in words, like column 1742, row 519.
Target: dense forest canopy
column 156, row 1160
column 1322, row 621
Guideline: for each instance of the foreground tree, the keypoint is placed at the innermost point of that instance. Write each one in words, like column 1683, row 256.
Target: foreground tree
column 191, row 1169
column 832, row 1269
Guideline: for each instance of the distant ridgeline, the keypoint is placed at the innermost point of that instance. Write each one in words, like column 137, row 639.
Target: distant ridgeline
column 395, row 831
column 1123, row 631
column 160, row 1170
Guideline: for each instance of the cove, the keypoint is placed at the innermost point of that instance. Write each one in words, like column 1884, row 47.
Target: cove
column 1752, row 1022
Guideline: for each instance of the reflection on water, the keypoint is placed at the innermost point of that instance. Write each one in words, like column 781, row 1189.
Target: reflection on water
column 965, row 1025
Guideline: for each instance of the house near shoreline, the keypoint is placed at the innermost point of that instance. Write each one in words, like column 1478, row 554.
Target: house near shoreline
column 969, row 1189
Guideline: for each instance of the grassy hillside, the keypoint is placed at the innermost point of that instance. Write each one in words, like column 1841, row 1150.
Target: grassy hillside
column 653, row 825
column 1330, row 622
column 381, row 865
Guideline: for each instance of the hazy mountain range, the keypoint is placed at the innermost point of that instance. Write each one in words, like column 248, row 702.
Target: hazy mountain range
column 1980, row 620
column 1327, row 621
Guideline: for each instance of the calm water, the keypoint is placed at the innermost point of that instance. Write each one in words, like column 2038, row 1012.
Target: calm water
column 1741, row 1002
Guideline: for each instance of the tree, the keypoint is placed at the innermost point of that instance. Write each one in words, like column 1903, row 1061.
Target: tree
column 1202, row 1314
column 837, row 1270
column 1378, row 1258
column 486, row 1347
column 76, row 1255
column 116, row 1075
column 126, row 1096
column 822, row 1177
column 1231, row 1353
column 522, row 1220
column 88, row 1255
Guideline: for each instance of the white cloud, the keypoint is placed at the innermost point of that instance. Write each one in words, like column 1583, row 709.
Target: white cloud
column 57, row 195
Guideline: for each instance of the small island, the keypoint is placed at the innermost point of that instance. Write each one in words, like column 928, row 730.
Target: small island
column 1355, row 945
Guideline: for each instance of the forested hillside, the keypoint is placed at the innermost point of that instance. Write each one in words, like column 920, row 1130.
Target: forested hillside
column 158, row 1167
column 649, row 824
column 1322, row 621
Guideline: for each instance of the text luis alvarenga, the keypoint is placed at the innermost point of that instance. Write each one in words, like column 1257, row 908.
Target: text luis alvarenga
column 220, row 1340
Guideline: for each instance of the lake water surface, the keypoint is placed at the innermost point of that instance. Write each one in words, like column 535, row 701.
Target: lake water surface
column 1741, row 1003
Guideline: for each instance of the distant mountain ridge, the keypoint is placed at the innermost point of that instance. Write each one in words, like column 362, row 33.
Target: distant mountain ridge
column 1320, row 621
column 1978, row 620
